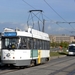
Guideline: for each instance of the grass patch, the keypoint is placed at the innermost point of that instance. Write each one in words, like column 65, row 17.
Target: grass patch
column 54, row 54
column 58, row 53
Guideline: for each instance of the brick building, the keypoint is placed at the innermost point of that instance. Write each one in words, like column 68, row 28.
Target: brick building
column 62, row 38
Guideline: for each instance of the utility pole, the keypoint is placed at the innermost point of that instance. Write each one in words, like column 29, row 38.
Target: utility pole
column 43, row 25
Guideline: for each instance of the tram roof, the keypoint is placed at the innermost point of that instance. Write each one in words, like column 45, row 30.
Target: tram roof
column 72, row 44
column 31, row 33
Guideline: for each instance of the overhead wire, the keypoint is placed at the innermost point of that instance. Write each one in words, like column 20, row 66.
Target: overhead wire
column 60, row 26
column 34, row 8
column 45, row 15
column 34, row 14
column 28, row 4
column 57, row 13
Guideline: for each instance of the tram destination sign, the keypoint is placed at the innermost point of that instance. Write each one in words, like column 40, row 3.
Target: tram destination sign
column 10, row 34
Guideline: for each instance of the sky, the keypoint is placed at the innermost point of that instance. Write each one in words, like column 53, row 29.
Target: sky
column 15, row 14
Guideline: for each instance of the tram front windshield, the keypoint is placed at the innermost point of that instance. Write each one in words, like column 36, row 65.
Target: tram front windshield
column 72, row 48
column 9, row 42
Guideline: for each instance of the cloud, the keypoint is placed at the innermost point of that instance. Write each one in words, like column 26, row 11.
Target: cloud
column 49, row 28
column 12, row 25
column 60, row 29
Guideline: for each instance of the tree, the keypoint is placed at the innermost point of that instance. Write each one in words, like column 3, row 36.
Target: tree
column 62, row 44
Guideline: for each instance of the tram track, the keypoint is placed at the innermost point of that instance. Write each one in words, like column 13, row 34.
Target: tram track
column 72, row 72
column 69, row 70
column 65, row 70
column 49, row 64
column 5, row 70
column 62, row 61
column 61, row 70
column 9, row 69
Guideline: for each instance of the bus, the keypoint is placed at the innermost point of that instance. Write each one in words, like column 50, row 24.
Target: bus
column 22, row 48
column 71, row 49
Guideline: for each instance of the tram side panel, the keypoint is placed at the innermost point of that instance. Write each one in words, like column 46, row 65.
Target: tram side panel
column 7, row 56
column 44, row 55
column 16, row 57
column 22, row 57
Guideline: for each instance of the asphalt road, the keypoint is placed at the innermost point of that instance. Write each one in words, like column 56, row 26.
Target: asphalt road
column 59, row 66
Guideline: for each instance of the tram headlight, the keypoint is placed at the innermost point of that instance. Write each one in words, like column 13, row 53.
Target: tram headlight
column 13, row 57
column 4, row 57
column 8, row 55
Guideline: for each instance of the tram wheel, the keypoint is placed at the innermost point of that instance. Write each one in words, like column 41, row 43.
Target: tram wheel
column 21, row 67
column 46, row 60
column 33, row 63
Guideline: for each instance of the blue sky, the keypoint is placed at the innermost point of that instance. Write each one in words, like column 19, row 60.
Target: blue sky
column 14, row 14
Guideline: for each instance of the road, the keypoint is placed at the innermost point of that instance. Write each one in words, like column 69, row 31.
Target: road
column 58, row 66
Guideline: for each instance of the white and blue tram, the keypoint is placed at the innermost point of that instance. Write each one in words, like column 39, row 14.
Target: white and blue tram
column 21, row 48
column 71, row 49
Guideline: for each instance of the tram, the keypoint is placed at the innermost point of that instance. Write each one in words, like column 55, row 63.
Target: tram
column 22, row 48
column 71, row 49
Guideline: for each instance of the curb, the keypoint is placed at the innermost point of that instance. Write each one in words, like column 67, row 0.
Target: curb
column 54, row 57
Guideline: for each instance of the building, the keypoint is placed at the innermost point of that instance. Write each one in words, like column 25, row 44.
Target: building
column 72, row 39
column 61, row 38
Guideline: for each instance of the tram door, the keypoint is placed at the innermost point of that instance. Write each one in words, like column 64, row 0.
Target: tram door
column 39, row 56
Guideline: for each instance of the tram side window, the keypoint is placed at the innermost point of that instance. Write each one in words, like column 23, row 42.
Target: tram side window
column 31, row 43
column 48, row 45
column 23, row 43
column 35, row 43
column 3, row 43
column 28, row 43
column 38, row 46
column 42, row 44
